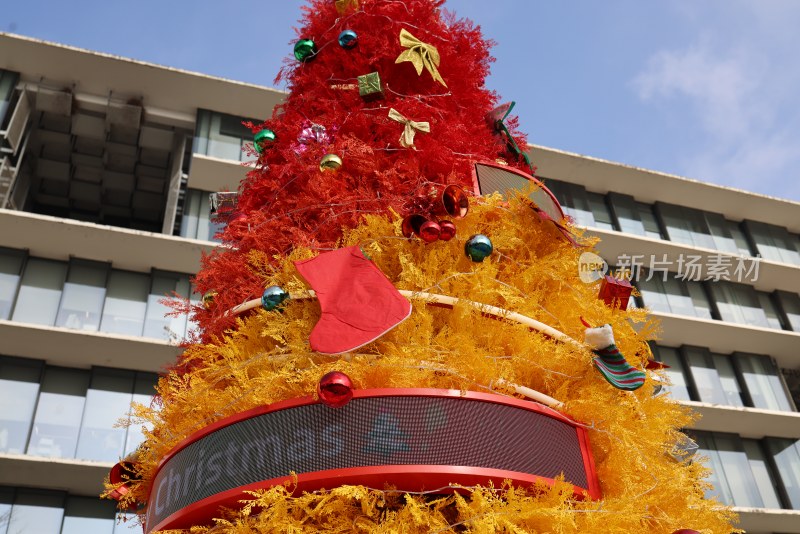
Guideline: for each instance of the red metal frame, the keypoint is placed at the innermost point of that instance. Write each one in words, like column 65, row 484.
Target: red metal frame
column 434, row 477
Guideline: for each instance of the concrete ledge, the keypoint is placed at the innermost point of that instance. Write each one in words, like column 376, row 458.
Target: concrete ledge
column 727, row 338
column 766, row 521
column 76, row 348
column 214, row 174
column 161, row 87
column 771, row 275
column 747, row 422
column 60, row 239
column 649, row 186
column 78, row 477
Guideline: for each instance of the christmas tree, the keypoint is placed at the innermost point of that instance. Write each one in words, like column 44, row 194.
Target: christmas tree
column 426, row 356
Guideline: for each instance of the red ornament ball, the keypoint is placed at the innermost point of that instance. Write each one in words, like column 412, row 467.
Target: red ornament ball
column 429, row 231
column 335, row 389
column 686, row 531
column 448, row 230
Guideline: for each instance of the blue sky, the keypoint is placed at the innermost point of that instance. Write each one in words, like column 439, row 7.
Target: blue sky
column 706, row 89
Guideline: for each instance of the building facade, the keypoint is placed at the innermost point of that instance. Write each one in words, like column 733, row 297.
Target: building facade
column 106, row 165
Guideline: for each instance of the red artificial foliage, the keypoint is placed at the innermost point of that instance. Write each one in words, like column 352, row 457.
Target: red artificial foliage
column 288, row 201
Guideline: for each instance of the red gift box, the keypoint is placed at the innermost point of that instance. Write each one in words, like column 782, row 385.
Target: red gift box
column 615, row 292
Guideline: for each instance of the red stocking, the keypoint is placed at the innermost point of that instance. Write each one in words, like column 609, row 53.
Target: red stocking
column 359, row 304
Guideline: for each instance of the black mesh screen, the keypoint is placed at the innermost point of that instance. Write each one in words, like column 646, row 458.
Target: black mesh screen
column 370, row 431
column 494, row 179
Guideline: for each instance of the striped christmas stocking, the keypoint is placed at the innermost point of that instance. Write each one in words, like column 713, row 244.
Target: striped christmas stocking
column 610, row 361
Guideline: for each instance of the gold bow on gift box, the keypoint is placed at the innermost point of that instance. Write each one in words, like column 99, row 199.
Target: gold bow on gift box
column 420, row 54
column 411, row 127
column 342, row 5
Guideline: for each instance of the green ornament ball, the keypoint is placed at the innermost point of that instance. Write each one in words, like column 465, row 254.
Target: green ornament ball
column 478, row 248
column 263, row 139
column 305, row 49
column 273, row 297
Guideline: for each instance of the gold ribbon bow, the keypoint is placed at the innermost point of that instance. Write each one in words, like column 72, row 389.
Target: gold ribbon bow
column 420, row 54
column 342, row 5
column 411, row 127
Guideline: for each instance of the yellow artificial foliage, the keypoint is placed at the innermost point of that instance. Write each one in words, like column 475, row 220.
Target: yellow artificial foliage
column 534, row 271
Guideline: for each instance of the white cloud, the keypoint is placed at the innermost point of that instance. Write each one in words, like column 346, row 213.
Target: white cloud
column 735, row 94
column 723, row 91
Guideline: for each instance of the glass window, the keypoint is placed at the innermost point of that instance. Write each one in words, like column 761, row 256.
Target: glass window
column 790, row 305
column 740, row 303
column 735, row 483
column 10, row 268
column 8, row 82
column 648, row 218
column 107, row 401
column 676, row 373
column 765, row 481
column 763, row 382
column 585, row 208
column 739, row 237
column 87, row 515
column 19, row 389
column 774, row 242
column 144, row 389
column 684, row 297
column 127, row 524
column 626, row 213
column 221, row 136
column 40, row 292
column 126, row 303
column 82, row 298
column 720, row 229
column 157, row 324
column 58, row 413
column 786, row 454
column 36, row 512
column 685, row 225
column 713, row 376
column 6, row 502
column 196, row 221
column 599, row 209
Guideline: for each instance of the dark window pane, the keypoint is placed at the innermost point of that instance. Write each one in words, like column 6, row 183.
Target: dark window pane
column 720, row 233
column 126, row 303
column 763, row 382
column 738, row 475
column 790, row 304
column 36, row 512
column 762, row 473
column 787, row 460
column 705, row 375
column 144, row 390
column 686, row 225
column 59, row 412
column 675, row 372
column 40, row 292
column 10, row 267
column 6, row 502
column 107, row 401
column 774, row 243
column 82, row 299
column 86, row 515
column 19, row 389
column 739, row 303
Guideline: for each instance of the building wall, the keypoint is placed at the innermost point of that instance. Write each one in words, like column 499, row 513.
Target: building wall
column 105, row 168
